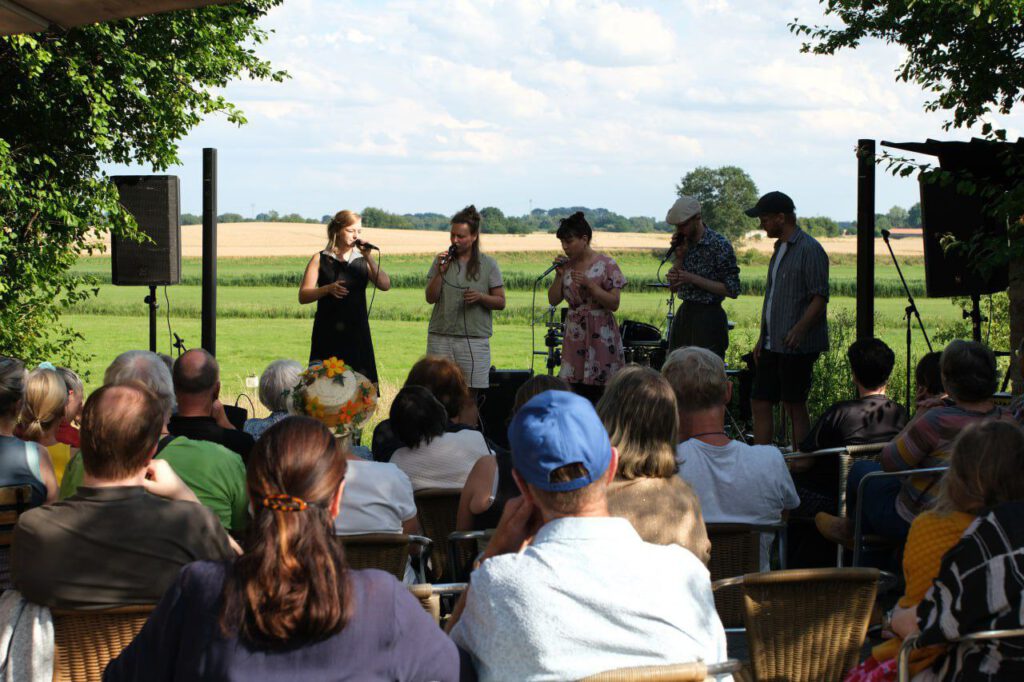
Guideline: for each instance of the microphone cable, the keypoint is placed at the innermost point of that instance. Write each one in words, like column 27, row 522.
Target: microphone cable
column 465, row 322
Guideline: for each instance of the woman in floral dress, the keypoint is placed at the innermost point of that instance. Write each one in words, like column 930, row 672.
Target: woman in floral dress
column 590, row 283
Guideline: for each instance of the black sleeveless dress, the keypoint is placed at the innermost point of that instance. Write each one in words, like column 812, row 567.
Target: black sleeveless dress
column 341, row 328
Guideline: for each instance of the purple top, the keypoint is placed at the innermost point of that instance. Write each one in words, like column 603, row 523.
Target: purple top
column 389, row 637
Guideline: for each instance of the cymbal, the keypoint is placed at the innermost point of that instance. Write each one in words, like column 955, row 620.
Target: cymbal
column 659, row 285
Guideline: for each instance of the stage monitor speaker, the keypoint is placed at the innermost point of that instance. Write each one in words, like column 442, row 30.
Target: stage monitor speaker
column 155, row 202
column 499, row 398
column 946, row 211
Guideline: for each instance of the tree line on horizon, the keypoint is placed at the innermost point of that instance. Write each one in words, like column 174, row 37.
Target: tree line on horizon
column 724, row 193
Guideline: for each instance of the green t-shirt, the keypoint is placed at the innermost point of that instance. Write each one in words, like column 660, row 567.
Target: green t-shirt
column 451, row 315
column 215, row 474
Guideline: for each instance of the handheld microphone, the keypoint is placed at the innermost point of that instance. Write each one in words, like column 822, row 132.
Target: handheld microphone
column 555, row 264
column 451, row 254
column 360, row 244
column 668, row 254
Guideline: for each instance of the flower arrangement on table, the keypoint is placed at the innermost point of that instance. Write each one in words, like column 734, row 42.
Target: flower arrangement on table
column 334, row 394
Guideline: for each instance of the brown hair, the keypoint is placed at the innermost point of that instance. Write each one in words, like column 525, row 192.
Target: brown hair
column 569, row 501
column 12, row 385
column 120, row 429
column 444, row 379
column 639, row 412
column 698, row 378
column 291, row 585
column 536, row 385
column 986, row 468
column 968, row 371
column 339, row 222
column 46, row 398
column 471, row 217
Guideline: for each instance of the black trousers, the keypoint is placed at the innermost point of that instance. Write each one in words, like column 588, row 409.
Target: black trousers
column 701, row 324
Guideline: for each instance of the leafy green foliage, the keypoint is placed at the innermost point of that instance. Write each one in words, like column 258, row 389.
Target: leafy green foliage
column 121, row 92
column 724, row 194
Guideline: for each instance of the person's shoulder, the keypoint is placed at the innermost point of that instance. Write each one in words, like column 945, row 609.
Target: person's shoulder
column 488, row 260
column 204, row 576
column 208, row 450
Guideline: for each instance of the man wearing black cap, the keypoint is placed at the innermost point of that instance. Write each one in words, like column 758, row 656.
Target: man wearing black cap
column 794, row 330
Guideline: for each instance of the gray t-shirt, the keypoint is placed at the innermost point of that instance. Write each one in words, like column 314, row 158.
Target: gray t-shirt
column 451, row 315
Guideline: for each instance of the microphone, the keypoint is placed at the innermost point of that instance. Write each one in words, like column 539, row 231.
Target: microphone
column 360, row 244
column 557, row 263
column 885, row 235
column 451, row 253
column 668, row 254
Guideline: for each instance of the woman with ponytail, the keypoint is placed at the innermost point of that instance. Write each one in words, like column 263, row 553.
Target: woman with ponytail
column 464, row 286
column 42, row 411
column 289, row 608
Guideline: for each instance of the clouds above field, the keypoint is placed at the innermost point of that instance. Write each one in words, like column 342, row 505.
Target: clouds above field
column 429, row 105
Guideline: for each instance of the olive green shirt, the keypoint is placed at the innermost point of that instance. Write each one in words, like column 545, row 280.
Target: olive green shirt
column 451, row 315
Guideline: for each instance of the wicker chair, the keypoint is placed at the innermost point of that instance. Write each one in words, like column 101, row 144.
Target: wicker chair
column 386, row 551
column 676, row 672
column 464, row 546
column 809, row 624
column 910, row 643
column 85, row 641
column 438, row 509
column 430, row 596
column 15, row 500
column 735, row 551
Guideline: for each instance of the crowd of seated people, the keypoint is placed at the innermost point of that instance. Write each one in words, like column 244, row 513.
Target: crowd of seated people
column 159, row 506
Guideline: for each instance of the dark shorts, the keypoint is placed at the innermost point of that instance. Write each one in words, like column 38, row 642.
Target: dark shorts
column 783, row 376
column 701, row 324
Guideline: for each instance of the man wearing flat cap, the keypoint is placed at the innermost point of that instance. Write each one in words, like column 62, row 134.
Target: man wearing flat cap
column 564, row 590
column 794, row 329
column 704, row 274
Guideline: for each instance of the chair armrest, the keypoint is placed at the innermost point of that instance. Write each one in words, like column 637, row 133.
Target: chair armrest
column 730, row 665
column 470, row 535
column 903, row 658
column 865, row 448
column 421, row 540
column 727, row 582
column 990, row 634
column 824, row 452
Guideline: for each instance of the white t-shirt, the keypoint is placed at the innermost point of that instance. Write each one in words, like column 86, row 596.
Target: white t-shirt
column 444, row 462
column 771, row 293
column 739, row 483
column 377, row 499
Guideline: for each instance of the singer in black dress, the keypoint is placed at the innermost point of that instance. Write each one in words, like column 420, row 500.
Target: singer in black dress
column 336, row 278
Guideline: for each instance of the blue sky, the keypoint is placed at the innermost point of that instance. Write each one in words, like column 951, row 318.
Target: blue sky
column 417, row 106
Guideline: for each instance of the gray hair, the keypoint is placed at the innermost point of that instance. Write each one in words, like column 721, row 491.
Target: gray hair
column 147, row 368
column 969, row 372
column 277, row 378
column 698, row 378
column 71, row 380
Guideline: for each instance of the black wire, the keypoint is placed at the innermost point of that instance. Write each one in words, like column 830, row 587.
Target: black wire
column 167, row 301
column 380, row 269
column 465, row 322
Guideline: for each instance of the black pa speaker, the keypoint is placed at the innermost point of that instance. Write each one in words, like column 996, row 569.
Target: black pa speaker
column 498, row 400
column 155, row 202
column 946, row 211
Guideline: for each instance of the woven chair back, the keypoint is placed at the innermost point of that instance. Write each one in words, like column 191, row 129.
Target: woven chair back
column 85, row 641
column 386, row 551
column 855, row 453
column 735, row 550
column 14, row 500
column 807, row 625
column 438, row 509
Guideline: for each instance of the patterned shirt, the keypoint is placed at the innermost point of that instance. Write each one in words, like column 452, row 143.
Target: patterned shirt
column 802, row 274
column 979, row 587
column 927, row 442
column 711, row 257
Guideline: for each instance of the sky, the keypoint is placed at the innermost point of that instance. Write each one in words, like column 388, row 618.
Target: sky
column 426, row 106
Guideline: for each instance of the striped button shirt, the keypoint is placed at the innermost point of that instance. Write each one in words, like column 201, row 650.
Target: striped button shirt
column 802, row 274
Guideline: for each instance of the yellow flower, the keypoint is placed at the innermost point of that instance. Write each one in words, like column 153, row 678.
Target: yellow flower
column 314, row 408
column 334, row 366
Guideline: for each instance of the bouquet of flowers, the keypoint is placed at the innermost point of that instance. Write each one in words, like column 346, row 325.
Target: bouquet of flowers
column 333, row 394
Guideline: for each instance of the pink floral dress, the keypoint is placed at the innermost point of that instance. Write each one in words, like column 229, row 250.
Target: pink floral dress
column 592, row 348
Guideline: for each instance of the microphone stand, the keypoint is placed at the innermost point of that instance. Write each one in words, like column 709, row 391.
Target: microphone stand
column 911, row 309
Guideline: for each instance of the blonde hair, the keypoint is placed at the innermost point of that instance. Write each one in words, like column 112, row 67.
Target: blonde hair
column 339, row 222
column 639, row 411
column 698, row 378
column 984, row 469
column 46, row 397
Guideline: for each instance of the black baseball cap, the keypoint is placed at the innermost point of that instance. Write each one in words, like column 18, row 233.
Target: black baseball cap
column 773, row 202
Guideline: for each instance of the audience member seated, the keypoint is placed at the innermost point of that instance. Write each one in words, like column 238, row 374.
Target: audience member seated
column 565, row 590
column 928, row 380
column 736, row 482
column 21, row 462
column 444, row 379
column 200, row 413
column 290, row 608
column 969, row 376
column 490, row 484
column 215, row 474
column 432, row 457
column 277, row 380
column 979, row 588
column 42, row 411
column 984, row 471
column 639, row 412
column 68, row 430
column 130, row 528
column 869, row 418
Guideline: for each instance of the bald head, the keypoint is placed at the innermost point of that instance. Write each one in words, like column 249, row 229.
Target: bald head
column 196, row 373
column 120, row 428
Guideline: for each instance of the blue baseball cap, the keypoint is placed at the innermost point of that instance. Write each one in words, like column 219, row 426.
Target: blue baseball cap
column 553, row 429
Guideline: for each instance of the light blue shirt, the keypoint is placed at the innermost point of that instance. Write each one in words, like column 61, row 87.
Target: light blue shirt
column 588, row 595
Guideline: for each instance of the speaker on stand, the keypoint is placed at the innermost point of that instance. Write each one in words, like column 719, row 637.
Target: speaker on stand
column 155, row 203
column 496, row 408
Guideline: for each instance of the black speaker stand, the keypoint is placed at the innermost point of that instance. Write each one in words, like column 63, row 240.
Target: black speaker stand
column 911, row 309
column 975, row 316
column 153, row 305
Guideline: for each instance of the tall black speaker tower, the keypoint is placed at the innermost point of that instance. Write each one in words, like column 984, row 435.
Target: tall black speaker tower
column 155, row 202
